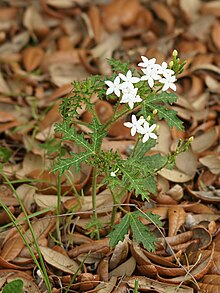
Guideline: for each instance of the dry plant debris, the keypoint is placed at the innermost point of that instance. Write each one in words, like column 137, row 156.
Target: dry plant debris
column 44, row 46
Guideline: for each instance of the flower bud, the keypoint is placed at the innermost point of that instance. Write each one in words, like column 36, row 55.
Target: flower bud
column 175, row 53
column 148, row 118
column 155, row 111
column 157, row 127
column 171, row 64
column 191, row 139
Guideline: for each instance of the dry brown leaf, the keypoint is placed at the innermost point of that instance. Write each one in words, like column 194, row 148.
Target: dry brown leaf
column 60, row 261
column 34, row 21
column 211, row 7
column 95, row 246
column 187, row 162
column 103, row 270
column 127, row 268
column 12, row 248
column 32, row 58
column 164, row 14
column 120, row 253
column 107, row 287
column 175, row 175
column 177, row 217
column 205, row 140
column 190, row 9
column 212, row 162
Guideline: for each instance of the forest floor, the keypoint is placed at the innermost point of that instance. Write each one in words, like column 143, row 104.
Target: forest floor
column 44, row 46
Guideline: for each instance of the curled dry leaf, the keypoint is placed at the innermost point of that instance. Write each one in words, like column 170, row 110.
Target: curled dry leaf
column 206, row 196
column 60, row 261
column 204, row 236
column 200, row 270
column 192, row 220
column 174, row 240
column 146, row 284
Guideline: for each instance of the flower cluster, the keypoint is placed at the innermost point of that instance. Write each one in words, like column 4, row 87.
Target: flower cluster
column 124, row 86
column 141, row 126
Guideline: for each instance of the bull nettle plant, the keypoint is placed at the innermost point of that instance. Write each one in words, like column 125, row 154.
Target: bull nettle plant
column 143, row 94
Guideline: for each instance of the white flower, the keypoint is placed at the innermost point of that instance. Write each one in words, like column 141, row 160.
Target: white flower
column 130, row 96
column 151, row 74
column 134, row 124
column 128, row 79
column 147, row 131
column 113, row 86
column 113, row 174
column 147, row 62
column 164, row 70
column 168, row 82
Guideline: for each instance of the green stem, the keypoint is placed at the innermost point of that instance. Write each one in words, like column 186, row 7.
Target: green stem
column 114, row 209
column 58, row 208
column 94, row 185
column 40, row 264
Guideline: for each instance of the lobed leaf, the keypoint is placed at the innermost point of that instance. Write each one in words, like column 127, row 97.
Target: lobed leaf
column 119, row 231
column 141, row 233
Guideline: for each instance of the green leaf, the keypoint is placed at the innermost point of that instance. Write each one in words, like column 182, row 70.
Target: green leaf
column 143, row 148
column 15, row 286
column 136, row 182
column 150, row 185
column 69, row 133
column 141, row 233
column 64, row 164
column 154, row 163
column 169, row 115
column 119, row 231
column 97, row 134
column 164, row 97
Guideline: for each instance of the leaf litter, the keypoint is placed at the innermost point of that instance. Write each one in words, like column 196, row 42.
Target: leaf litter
column 46, row 45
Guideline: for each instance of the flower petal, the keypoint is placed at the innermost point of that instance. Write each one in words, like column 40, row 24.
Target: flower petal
column 152, row 127
column 133, row 131
column 145, row 138
column 128, row 124
column 153, row 135
column 122, row 76
column 109, row 83
column 109, row 91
